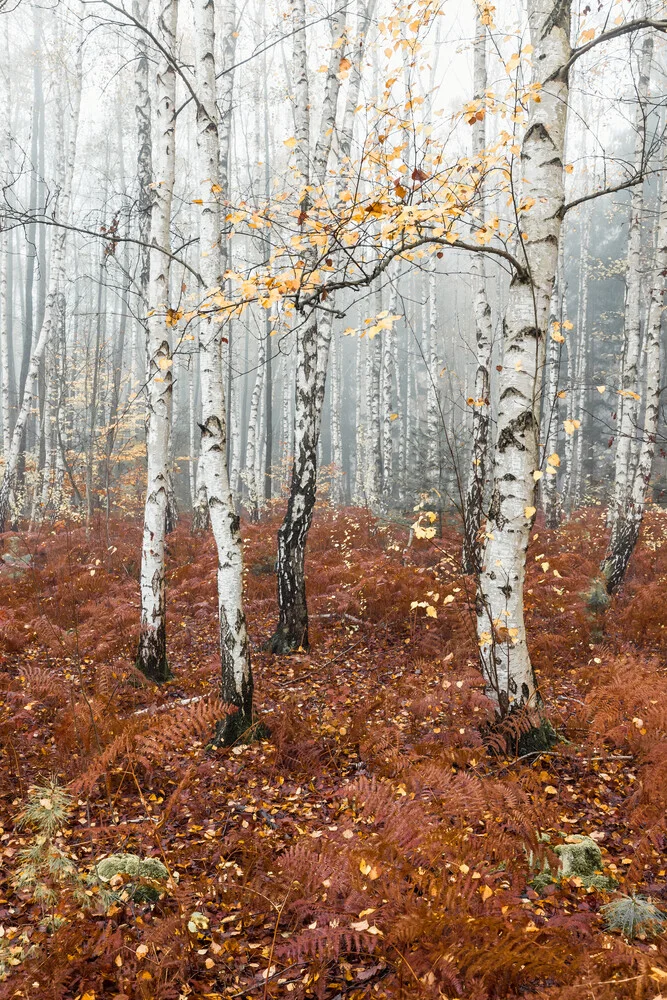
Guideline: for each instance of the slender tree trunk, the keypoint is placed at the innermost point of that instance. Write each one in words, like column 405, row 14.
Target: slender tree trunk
column 504, row 654
column 252, row 447
column 388, row 413
column 580, row 386
column 312, row 348
column 237, row 685
column 337, row 489
column 152, row 651
column 65, row 172
column 478, row 475
column 551, row 500
column 628, row 520
column 629, row 399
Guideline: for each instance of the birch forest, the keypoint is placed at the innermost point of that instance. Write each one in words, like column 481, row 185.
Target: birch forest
column 333, row 499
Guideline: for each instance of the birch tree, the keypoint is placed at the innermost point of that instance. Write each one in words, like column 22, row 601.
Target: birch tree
column 152, row 652
column 237, row 684
column 629, row 515
column 505, row 660
column 67, row 131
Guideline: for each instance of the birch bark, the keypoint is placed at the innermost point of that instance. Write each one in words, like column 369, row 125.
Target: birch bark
column 505, row 661
column 629, row 517
column 628, row 409
column 312, row 350
column 237, row 684
column 152, row 651
column 478, row 475
column 65, row 172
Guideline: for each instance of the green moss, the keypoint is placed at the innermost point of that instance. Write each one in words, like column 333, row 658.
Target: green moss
column 139, row 871
column 582, row 858
column 537, row 739
column 597, row 598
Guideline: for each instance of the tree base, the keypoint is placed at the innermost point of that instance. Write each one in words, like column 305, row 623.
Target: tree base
column 284, row 643
column 237, row 728
column 152, row 657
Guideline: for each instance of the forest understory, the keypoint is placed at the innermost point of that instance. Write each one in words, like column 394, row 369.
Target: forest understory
column 375, row 840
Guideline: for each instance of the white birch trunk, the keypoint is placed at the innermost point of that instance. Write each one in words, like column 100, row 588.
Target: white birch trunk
column 628, row 520
column 388, row 412
column 237, row 684
column 152, row 652
column 252, row 447
column 628, row 408
column 65, row 173
column 478, row 475
column 505, row 661
column 337, row 487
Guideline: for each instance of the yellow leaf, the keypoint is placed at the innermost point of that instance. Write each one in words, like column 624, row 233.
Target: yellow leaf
column 568, row 427
column 88, row 995
column 393, row 416
column 568, row 168
column 364, row 867
column 553, row 459
column 290, row 143
column 164, row 363
column 638, row 722
column 586, row 36
column 431, row 612
column 141, row 951
column 545, row 567
column 486, row 892
column 550, row 790
column 216, row 189
column 464, row 868
column 529, row 511
column 197, row 201
column 568, row 325
column 601, row 388
column 448, row 599
column 537, row 474
column 558, row 337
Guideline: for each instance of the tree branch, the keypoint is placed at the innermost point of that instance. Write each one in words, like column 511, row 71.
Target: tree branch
column 607, row 36
column 313, row 299
column 25, row 219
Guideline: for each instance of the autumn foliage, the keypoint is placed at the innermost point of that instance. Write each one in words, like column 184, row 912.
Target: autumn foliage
column 379, row 842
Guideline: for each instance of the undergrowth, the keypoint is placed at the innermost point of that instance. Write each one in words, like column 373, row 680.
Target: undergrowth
column 378, row 844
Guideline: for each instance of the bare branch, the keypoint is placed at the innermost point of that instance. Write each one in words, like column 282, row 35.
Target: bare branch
column 607, row 36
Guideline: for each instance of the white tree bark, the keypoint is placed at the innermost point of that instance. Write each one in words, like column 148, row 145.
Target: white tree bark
column 500, row 619
column 629, row 517
column 237, row 683
column 388, row 412
column 628, row 407
column 252, row 446
column 152, row 652
column 337, row 485
column 65, row 172
column 478, row 475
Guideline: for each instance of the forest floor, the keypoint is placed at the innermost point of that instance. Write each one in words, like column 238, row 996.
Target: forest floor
column 375, row 844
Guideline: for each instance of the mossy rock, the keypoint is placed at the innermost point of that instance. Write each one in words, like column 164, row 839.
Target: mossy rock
column 580, row 857
column 138, row 870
